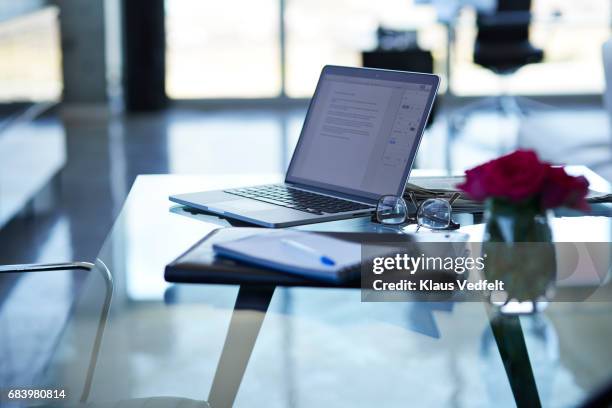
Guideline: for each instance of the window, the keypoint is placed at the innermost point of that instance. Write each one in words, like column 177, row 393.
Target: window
column 231, row 49
column 222, row 49
column 30, row 55
column 321, row 32
column 571, row 33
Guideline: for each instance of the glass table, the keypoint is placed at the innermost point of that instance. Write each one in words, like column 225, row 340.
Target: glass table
column 317, row 347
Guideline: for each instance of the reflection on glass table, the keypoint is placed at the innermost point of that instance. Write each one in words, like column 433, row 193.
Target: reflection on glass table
column 321, row 347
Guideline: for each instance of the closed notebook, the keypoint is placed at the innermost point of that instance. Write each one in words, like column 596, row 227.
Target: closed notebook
column 302, row 253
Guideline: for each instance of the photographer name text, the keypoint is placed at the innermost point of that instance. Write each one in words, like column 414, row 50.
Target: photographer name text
column 411, row 265
column 430, row 285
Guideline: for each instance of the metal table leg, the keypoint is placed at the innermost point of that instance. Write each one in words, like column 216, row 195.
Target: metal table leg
column 248, row 315
column 510, row 341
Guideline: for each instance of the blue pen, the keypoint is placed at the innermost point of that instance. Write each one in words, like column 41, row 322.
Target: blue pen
column 325, row 260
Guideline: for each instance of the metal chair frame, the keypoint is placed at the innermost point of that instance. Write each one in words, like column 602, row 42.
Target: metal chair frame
column 108, row 282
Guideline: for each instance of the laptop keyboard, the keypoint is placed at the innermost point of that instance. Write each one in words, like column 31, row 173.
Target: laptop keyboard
column 298, row 199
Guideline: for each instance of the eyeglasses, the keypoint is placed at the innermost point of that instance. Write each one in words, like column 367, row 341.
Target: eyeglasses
column 432, row 213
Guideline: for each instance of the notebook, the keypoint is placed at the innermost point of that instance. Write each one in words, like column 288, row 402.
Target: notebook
column 302, row 253
column 199, row 264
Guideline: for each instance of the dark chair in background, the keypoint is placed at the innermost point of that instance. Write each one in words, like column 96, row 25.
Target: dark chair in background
column 502, row 43
column 502, row 46
column 398, row 50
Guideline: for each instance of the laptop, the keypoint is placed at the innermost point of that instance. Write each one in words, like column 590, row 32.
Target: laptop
column 358, row 142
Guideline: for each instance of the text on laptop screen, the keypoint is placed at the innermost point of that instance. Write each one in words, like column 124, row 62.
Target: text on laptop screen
column 359, row 134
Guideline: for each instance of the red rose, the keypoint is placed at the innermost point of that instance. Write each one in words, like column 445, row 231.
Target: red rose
column 521, row 176
column 517, row 177
column 561, row 189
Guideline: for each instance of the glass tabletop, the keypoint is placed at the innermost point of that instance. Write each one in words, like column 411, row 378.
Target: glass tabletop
column 317, row 347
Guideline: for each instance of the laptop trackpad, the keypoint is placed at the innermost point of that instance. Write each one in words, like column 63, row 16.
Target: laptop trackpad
column 241, row 206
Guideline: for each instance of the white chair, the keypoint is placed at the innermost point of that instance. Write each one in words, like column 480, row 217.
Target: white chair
column 578, row 137
column 607, row 64
column 607, row 103
column 103, row 272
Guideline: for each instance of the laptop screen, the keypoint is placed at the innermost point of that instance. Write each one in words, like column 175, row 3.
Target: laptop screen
column 362, row 131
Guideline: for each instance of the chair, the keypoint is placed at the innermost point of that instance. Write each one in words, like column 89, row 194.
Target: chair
column 398, row 50
column 104, row 273
column 607, row 65
column 579, row 136
column 502, row 46
column 607, row 103
column 502, row 43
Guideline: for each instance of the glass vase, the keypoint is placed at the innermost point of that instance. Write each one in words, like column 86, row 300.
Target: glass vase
column 520, row 253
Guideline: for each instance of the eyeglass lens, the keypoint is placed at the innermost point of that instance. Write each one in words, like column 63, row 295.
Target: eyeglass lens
column 434, row 213
column 391, row 210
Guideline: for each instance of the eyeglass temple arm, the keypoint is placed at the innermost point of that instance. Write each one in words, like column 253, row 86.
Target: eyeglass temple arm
column 413, row 200
column 456, row 195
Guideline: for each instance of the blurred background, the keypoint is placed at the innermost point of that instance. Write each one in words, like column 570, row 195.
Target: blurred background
column 94, row 93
